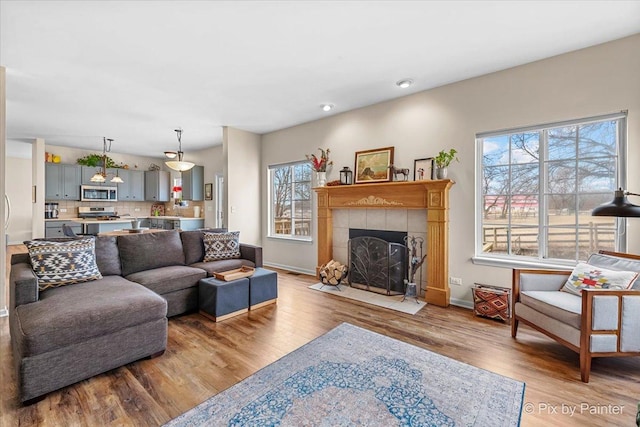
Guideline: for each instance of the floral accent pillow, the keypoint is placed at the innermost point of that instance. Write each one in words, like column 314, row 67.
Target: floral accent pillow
column 59, row 263
column 221, row 246
column 586, row 276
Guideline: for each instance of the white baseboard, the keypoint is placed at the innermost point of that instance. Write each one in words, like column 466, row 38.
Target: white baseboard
column 290, row 268
column 461, row 303
column 453, row 301
column 4, row 312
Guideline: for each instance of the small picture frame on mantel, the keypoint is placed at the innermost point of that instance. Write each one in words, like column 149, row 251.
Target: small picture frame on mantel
column 423, row 169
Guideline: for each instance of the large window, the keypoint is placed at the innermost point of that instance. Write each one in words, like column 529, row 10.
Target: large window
column 537, row 187
column 290, row 200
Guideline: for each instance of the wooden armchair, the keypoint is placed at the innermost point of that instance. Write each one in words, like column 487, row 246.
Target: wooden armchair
column 599, row 323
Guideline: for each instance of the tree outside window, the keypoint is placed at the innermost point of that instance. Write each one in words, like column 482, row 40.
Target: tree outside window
column 538, row 188
column 290, row 214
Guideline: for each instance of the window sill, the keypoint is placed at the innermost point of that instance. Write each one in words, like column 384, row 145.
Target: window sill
column 291, row 238
column 524, row 263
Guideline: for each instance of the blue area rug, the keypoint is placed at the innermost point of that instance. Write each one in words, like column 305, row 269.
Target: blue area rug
column 354, row 377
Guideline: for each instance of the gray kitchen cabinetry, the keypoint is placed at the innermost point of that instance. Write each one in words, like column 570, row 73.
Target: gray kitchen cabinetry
column 156, row 223
column 193, row 184
column 171, row 224
column 156, row 186
column 62, row 182
column 191, row 224
column 176, row 223
column 163, row 223
column 54, row 228
column 132, row 189
column 87, row 173
column 103, row 227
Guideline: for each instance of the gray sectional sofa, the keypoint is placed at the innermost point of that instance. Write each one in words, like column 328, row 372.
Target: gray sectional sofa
column 63, row 335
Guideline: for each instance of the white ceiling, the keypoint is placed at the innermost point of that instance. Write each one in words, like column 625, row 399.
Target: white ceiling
column 135, row 70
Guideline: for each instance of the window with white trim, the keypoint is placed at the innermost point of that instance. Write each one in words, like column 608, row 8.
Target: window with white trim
column 290, row 200
column 536, row 188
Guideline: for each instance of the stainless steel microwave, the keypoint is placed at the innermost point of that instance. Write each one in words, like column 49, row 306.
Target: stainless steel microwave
column 96, row 193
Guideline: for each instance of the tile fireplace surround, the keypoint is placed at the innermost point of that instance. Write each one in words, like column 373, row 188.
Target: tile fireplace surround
column 399, row 206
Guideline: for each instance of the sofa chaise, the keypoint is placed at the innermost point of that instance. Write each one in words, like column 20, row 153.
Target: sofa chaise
column 62, row 335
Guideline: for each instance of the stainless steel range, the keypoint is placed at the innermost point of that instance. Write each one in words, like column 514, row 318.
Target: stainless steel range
column 101, row 213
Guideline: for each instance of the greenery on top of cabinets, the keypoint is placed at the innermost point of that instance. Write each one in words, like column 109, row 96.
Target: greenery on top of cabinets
column 95, row 160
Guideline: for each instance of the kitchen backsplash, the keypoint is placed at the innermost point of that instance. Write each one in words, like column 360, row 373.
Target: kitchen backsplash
column 128, row 208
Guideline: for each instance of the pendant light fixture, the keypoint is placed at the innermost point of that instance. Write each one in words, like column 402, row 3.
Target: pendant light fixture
column 178, row 165
column 101, row 174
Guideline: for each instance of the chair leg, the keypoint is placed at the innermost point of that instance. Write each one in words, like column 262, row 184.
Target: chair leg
column 514, row 326
column 585, row 365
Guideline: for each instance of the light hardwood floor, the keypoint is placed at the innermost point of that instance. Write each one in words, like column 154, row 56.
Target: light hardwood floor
column 203, row 358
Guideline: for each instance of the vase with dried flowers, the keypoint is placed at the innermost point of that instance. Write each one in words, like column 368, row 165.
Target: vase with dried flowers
column 319, row 165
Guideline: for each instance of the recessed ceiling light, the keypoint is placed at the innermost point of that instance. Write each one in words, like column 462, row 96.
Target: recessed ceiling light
column 327, row 107
column 404, row 83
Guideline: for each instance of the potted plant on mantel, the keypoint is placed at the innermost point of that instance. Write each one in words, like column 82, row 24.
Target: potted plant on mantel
column 443, row 160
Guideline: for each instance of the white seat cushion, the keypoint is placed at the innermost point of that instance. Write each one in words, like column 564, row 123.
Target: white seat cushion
column 561, row 306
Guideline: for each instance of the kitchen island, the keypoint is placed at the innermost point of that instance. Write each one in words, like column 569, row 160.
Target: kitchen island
column 53, row 227
column 130, row 231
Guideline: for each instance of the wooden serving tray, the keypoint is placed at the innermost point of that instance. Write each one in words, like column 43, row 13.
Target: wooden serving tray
column 235, row 274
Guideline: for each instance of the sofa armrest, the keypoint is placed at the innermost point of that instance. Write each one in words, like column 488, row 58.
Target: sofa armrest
column 23, row 285
column 252, row 253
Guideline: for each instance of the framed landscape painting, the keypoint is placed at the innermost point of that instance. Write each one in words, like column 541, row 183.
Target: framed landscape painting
column 373, row 165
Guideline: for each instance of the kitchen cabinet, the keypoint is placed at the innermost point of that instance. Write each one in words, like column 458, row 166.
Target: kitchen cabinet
column 54, row 228
column 156, row 223
column 193, row 184
column 191, row 224
column 164, row 223
column 62, row 182
column 156, row 186
column 104, row 226
column 171, row 224
column 132, row 189
column 175, row 223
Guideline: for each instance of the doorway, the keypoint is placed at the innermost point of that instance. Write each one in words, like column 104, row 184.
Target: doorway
column 219, row 200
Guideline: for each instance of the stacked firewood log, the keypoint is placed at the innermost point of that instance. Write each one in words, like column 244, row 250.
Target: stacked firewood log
column 332, row 273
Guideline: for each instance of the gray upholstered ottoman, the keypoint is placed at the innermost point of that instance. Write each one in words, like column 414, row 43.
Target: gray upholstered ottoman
column 263, row 288
column 219, row 300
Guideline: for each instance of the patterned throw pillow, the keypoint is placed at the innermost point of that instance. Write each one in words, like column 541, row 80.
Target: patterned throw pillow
column 59, row 263
column 221, row 246
column 586, row 276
